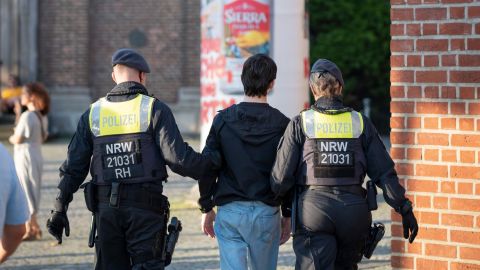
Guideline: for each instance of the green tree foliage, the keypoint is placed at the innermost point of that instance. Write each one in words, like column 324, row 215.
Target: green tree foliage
column 355, row 35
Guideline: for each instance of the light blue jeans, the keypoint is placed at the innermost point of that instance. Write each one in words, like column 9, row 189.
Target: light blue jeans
column 248, row 233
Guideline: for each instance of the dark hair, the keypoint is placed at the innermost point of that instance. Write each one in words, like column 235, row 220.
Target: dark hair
column 43, row 99
column 324, row 84
column 257, row 74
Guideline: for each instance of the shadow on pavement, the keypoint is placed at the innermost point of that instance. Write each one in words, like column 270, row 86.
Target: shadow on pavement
column 80, row 266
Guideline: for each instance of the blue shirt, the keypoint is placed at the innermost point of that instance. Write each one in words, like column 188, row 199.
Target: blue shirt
column 13, row 201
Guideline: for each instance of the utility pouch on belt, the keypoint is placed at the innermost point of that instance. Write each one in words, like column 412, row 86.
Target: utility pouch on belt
column 89, row 194
column 371, row 196
column 89, row 190
column 115, row 194
column 376, row 233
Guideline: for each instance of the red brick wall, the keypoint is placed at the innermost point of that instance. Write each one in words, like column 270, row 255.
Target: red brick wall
column 63, row 43
column 78, row 37
column 435, row 84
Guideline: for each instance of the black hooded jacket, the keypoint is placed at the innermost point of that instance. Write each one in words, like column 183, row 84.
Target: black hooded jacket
column 246, row 135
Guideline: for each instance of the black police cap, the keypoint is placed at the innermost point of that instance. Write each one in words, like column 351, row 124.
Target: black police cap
column 324, row 65
column 130, row 58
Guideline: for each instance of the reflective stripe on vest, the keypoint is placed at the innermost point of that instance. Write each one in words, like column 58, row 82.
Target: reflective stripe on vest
column 116, row 118
column 347, row 125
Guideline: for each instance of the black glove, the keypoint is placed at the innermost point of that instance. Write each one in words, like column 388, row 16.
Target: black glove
column 409, row 222
column 56, row 223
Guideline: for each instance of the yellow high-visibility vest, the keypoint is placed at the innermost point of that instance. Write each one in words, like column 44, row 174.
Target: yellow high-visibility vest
column 345, row 125
column 116, row 118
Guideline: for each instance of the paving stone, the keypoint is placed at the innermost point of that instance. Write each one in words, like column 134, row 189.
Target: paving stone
column 194, row 250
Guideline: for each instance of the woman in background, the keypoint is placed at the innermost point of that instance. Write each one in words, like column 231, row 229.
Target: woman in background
column 31, row 131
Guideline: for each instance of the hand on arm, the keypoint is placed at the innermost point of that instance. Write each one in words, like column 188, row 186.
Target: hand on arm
column 178, row 155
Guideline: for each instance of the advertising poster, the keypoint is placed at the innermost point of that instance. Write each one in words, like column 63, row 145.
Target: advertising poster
column 232, row 31
column 246, row 32
column 212, row 61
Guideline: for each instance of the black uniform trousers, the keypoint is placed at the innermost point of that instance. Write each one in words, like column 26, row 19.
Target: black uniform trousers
column 333, row 229
column 126, row 233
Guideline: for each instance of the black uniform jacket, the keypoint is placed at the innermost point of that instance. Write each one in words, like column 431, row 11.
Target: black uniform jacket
column 380, row 166
column 178, row 155
column 247, row 137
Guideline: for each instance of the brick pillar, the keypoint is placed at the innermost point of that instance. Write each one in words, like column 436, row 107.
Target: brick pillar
column 63, row 42
column 435, row 130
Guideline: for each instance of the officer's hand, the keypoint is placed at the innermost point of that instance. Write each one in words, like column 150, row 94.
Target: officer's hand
column 56, row 223
column 207, row 223
column 410, row 226
column 286, row 229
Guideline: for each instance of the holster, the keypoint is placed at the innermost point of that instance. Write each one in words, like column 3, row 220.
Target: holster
column 89, row 190
column 160, row 240
column 165, row 243
column 376, row 234
column 174, row 230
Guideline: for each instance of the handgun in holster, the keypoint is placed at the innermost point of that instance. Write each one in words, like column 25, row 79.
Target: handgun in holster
column 376, row 233
column 89, row 189
column 174, row 229
column 165, row 243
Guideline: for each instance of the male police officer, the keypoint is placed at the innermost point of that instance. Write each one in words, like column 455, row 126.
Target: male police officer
column 325, row 154
column 128, row 137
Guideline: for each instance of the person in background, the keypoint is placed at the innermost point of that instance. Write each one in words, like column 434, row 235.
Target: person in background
column 30, row 132
column 13, row 207
column 248, row 226
column 10, row 96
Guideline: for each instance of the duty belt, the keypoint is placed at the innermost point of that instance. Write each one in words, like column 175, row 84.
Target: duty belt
column 354, row 189
column 134, row 195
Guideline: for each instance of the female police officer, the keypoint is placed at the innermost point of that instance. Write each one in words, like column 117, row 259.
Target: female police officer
column 325, row 154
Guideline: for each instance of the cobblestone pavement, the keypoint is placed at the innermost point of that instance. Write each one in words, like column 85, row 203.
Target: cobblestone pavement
column 194, row 250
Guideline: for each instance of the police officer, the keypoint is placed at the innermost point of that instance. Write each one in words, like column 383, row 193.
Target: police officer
column 126, row 139
column 324, row 156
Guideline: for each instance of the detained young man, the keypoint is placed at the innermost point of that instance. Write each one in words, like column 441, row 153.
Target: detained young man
column 248, row 226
